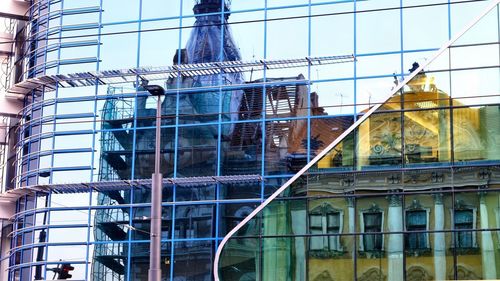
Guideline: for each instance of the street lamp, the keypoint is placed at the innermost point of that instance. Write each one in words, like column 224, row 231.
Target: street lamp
column 154, row 273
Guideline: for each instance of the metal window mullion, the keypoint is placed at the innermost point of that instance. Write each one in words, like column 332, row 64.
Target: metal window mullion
column 307, row 240
column 27, row 125
column 308, row 120
column 176, row 145
column 221, row 93
column 89, row 227
column 263, row 114
column 355, row 80
column 94, row 126
column 129, row 234
column 23, row 236
column 453, row 229
column 134, row 139
column 451, row 108
column 51, row 176
column 259, row 266
column 12, row 257
column 134, row 144
column 59, row 39
column 219, row 129
column 217, row 213
column 403, row 217
column 48, row 213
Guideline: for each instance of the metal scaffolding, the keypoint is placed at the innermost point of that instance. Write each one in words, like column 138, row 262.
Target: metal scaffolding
column 121, row 185
column 106, row 77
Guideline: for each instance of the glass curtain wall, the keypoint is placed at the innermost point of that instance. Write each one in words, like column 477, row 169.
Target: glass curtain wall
column 437, row 135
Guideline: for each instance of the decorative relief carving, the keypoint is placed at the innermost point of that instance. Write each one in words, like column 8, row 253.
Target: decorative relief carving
column 415, row 205
column 464, row 273
column 418, row 273
column 350, row 201
column 438, row 198
column 460, row 205
column 394, row 179
column 373, row 274
column 437, row 177
column 347, row 181
column 324, row 276
column 416, row 133
column 484, row 174
column 470, row 141
column 373, row 208
column 413, row 178
column 395, row 200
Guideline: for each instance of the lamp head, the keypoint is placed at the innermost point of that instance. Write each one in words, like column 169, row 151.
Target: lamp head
column 155, row 90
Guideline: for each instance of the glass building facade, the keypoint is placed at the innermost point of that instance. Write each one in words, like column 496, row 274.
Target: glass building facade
column 385, row 166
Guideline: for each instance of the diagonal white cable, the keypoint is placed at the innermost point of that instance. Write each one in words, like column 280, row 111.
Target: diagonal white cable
column 341, row 137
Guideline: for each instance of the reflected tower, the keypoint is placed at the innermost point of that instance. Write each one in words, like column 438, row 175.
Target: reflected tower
column 210, row 41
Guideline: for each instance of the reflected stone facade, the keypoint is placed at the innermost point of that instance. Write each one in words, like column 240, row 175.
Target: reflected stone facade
column 385, row 198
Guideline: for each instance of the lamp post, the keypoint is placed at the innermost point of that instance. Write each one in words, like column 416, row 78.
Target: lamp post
column 154, row 273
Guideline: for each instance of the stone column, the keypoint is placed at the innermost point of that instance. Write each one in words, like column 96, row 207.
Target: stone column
column 351, row 215
column 276, row 253
column 299, row 219
column 439, row 239
column 487, row 249
column 395, row 241
column 351, row 227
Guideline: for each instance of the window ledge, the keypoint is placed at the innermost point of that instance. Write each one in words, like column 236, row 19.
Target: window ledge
column 325, row 254
column 466, row 251
column 372, row 254
column 419, row 252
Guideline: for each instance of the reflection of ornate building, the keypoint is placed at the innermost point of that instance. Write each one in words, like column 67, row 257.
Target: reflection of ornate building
column 358, row 204
column 424, row 130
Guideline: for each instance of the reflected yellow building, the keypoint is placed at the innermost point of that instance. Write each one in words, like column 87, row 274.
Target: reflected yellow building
column 412, row 129
column 411, row 194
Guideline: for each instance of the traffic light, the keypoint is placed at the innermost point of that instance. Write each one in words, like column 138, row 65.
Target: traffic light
column 64, row 271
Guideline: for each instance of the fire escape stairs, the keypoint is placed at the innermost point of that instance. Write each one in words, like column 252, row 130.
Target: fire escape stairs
column 112, row 230
column 112, row 263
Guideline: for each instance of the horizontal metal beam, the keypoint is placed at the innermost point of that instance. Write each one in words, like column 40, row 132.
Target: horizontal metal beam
column 106, row 77
column 106, row 186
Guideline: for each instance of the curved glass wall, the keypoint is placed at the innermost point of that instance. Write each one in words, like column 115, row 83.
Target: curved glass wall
column 265, row 122
column 409, row 192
